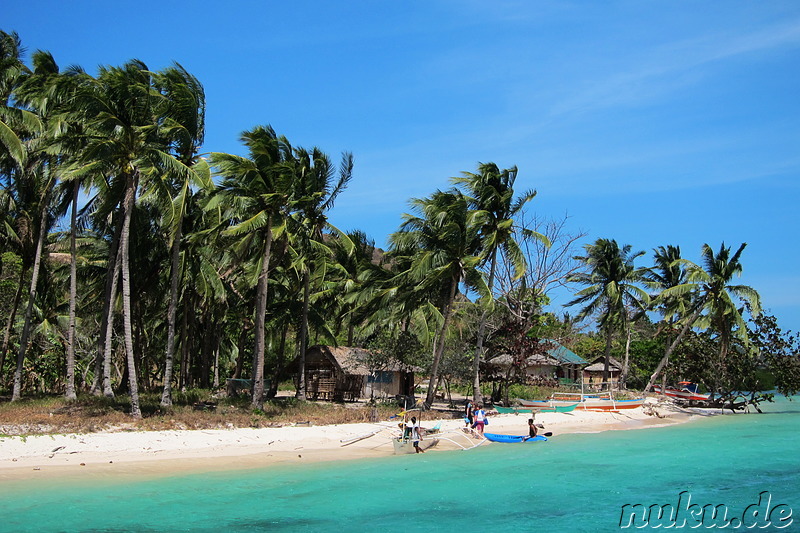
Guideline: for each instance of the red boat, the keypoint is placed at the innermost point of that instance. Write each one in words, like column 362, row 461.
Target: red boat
column 686, row 390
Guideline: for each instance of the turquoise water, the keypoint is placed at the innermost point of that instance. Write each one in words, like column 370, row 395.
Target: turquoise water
column 571, row 483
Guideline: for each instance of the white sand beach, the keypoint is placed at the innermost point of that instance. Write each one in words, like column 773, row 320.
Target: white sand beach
column 168, row 452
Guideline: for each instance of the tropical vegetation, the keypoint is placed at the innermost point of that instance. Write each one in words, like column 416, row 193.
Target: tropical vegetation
column 136, row 263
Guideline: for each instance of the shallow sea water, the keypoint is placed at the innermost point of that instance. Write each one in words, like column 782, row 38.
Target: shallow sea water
column 573, row 483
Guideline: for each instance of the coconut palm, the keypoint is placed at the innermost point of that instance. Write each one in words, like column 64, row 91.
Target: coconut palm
column 667, row 272
column 184, row 128
column 15, row 123
column 611, row 288
column 255, row 194
column 120, row 109
column 491, row 192
column 12, row 71
column 314, row 192
column 358, row 278
column 714, row 302
column 34, row 94
column 443, row 245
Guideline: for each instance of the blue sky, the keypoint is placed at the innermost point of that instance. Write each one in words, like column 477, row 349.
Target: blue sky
column 652, row 123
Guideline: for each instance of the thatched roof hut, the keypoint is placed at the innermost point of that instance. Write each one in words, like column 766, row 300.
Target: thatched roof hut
column 593, row 374
column 348, row 373
column 557, row 361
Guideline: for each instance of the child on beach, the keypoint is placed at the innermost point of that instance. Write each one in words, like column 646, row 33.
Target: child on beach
column 415, row 435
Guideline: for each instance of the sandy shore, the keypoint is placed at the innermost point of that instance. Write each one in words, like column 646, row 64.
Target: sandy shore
column 170, row 452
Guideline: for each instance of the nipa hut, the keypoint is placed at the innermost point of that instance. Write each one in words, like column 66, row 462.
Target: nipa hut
column 593, row 374
column 343, row 373
column 557, row 363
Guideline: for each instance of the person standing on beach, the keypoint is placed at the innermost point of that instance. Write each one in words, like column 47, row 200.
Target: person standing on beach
column 479, row 419
column 469, row 413
column 416, row 435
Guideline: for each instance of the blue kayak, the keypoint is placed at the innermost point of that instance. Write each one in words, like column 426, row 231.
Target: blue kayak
column 495, row 437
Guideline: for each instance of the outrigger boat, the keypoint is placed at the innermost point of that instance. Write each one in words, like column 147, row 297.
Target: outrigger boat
column 686, row 390
column 404, row 445
column 431, row 436
column 587, row 402
column 545, row 408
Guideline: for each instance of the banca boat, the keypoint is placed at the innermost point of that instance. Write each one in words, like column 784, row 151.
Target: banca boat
column 686, row 390
column 545, row 408
column 598, row 402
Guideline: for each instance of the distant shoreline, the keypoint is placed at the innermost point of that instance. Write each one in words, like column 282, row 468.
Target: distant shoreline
column 134, row 454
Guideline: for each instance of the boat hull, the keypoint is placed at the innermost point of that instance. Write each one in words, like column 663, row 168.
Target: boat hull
column 589, row 404
column 512, row 439
column 681, row 394
column 403, row 446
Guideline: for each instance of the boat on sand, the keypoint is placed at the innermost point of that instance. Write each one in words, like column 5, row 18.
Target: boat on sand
column 599, row 402
column 686, row 390
column 545, row 408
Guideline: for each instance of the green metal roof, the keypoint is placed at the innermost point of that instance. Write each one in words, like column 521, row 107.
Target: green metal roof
column 564, row 355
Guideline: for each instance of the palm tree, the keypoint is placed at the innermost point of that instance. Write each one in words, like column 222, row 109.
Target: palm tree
column 314, row 193
column 358, row 278
column 716, row 296
column 491, row 192
column 184, row 127
column 443, row 244
column 255, row 191
column 668, row 271
column 610, row 288
column 120, row 109
column 12, row 71
column 40, row 172
column 15, row 123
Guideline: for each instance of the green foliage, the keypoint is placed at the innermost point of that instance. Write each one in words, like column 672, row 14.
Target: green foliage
column 645, row 354
column 403, row 346
column 779, row 352
column 10, row 268
column 589, row 347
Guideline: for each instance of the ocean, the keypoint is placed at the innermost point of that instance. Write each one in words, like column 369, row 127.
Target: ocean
column 743, row 467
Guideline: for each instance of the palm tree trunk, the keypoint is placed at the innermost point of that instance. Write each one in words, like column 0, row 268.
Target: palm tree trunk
column 625, row 366
column 10, row 322
column 257, row 400
column 273, row 387
column 301, row 383
column 476, row 364
column 206, row 348
column 108, row 330
column 675, row 343
column 609, row 335
column 26, row 328
column 183, row 380
column 102, row 376
column 169, row 357
column 130, row 198
column 73, row 295
column 437, row 357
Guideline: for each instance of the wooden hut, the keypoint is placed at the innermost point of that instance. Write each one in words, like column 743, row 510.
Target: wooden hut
column 593, row 374
column 343, row 373
column 557, row 363
column 567, row 369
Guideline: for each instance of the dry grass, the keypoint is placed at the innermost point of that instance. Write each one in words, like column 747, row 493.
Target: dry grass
column 195, row 410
